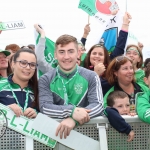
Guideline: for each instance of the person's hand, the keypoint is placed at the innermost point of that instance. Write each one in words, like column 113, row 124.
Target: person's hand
column 99, row 68
column 30, row 113
column 132, row 113
column 126, row 18
column 140, row 45
column 65, row 127
column 16, row 109
column 131, row 136
column 81, row 115
column 86, row 30
column 39, row 30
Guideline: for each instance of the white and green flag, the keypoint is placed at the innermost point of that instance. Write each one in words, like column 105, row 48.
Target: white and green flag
column 45, row 58
column 100, row 9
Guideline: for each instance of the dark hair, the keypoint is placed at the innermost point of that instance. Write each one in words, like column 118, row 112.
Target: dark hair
column 11, row 59
column 13, row 47
column 31, row 46
column 33, row 82
column 9, row 71
column 147, row 70
column 115, row 95
column 87, row 62
column 66, row 39
column 146, row 62
column 115, row 66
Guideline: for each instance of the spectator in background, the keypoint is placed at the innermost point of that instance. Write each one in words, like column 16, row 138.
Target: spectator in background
column 12, row 48
column 135, row 54
column 5, row 68
column 143, row 100
column 146, row 62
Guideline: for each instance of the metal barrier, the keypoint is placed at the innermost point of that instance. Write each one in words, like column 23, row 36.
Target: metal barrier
column 97, row 128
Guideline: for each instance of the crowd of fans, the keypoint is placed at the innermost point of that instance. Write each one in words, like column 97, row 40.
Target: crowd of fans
column 82, row 86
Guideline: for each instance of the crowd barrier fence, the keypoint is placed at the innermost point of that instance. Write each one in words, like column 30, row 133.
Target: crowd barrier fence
column 98, row 128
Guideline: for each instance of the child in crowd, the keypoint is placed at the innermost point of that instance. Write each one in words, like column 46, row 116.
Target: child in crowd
column 118, row 104
column 143, row 100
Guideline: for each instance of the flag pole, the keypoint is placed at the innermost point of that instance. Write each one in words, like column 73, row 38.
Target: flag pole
column 88, row 19
column 126, row 5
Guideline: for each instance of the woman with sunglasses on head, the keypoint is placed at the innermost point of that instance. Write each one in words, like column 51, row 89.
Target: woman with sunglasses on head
column 120, row 73
column 20, row 91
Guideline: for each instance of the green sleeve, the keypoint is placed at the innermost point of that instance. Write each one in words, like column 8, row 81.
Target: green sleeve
column 143, row 107
column 106, row 95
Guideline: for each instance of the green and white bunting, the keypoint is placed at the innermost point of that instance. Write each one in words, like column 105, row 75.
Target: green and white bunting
column 23, row 125
column 12, row 25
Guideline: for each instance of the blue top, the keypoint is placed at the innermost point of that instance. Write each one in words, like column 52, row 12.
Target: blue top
column 116, row 120
column 6, row 95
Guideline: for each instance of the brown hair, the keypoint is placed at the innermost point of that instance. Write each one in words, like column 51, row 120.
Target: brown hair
column 147, row 70
column 87, row 62
column 114, row 66
column 66, row 39
column 115, row 95
column 13, row 47
column 139, row 64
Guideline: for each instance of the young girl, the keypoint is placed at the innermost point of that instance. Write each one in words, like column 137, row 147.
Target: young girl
column 20, row 90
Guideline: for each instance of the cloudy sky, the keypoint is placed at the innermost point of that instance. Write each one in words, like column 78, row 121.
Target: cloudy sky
column 63, row 16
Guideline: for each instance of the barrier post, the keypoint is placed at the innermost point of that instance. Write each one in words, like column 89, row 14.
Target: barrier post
column 59, row 146
column 29, row 143
column 102, row 137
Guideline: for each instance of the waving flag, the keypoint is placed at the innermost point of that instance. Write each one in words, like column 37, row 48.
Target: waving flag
column 47, row 54
column 100, row 9
column 109, row 25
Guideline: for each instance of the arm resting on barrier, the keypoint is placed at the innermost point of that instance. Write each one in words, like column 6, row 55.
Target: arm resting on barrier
column 117, row 121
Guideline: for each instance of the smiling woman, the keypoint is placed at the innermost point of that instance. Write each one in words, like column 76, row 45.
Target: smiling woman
column 120, row 73
column 19, row 91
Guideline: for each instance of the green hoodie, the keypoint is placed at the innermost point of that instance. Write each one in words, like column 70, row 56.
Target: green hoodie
column 139, row 76
column 143, row 106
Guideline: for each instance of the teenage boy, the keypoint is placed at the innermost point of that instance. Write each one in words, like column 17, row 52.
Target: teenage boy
column 143, row 100
column 70, row 92
column 118, row 104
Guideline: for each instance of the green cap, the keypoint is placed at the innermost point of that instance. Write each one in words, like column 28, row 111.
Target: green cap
column 7, row 53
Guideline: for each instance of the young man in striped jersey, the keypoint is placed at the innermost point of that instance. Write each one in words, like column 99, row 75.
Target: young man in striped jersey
column 70, row 92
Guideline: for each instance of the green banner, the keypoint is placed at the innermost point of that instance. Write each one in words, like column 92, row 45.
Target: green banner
column 13, row 25
column 23, row 125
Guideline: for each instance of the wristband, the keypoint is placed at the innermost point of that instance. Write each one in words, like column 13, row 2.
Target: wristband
column 76, row 122
column 72, row 111
column 125, row 24
column 71, row 116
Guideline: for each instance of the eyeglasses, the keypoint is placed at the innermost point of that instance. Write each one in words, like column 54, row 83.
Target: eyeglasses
column 24, row 64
